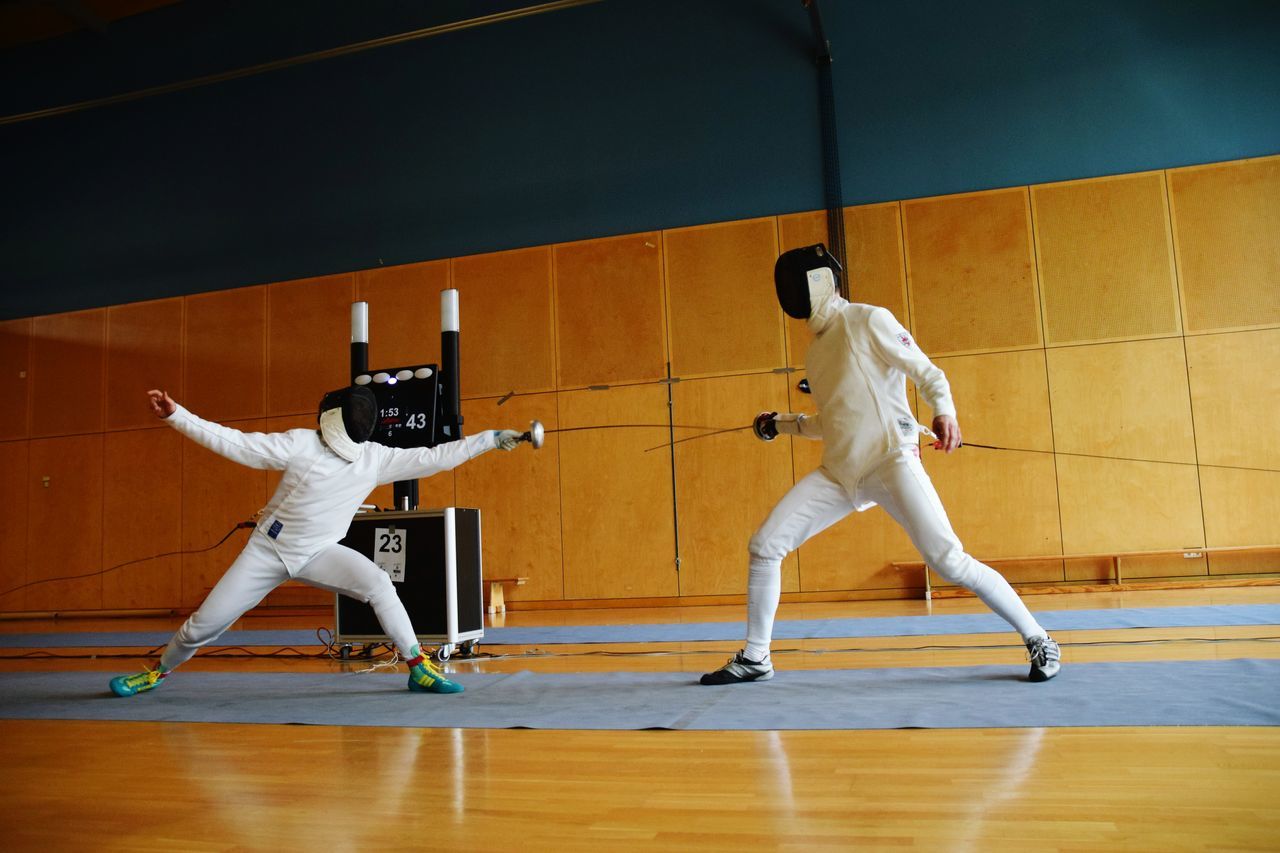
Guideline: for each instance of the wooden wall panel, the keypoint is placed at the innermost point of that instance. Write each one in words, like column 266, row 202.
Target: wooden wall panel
column 505, row 307
column 1123, row 399
column 404, row 313
column 308, row 341
column 1235, row 395
column 15, row 382
column 1240, row 508
column 610, row 322
column 722, row 305
column 970, row 272
column 1001, row 399
column 142, row 517
column 68, row 373
column 1226, row 226
column 1105, row 256
column 1128, row 506
column 64, row 530
column 1001, row 504
column 726, row 484
column 144, row 350
column 876, row 269
column 619, row 540
column 518, row 495
column 216, row 495
column 13, row 524
column 225, row 366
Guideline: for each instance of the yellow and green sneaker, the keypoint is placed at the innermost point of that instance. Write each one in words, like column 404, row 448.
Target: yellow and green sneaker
column 128, row 685
column 425, row 678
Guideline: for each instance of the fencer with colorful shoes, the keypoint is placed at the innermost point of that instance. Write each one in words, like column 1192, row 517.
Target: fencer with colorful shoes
column 857, row 366
column 326, row 473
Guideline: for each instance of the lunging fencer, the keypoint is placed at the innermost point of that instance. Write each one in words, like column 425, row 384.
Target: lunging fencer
column 857, row 366
column 328, row 473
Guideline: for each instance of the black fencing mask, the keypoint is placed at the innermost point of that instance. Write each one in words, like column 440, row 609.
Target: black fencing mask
column 791, row 277
column 347, row 419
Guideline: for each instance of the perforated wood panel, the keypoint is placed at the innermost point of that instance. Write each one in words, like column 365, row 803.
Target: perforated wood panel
column 518, row 495
column 504, row 300
column 970, row 272
column 226, row 354
column 13, row 524
column 1001, row 504
column 68, row 373
column 404, row 312
column 308, row 341
column 64, row 532
column 1240, row 507
column 1235, row 394
column 1123, row 399
column 619, row 540
column 217, row 494
column 1226, row 225
column 726, row 484
column 610, row 320
column 875, row 267
column 144, row 350
column 15, row 381
column 142, row 517
column 1128, row 506
column 721, row 301
column 1105, row 256
column 1001, row 399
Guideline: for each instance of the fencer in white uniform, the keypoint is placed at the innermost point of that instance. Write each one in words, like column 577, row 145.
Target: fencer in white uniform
column 328, row 473
column 857, row 367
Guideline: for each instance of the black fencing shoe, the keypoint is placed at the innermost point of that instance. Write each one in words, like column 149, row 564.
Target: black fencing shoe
column 739, row 669
column 1045, row 657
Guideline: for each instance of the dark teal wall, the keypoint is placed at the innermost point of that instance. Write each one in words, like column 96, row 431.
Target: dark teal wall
column 610, row 118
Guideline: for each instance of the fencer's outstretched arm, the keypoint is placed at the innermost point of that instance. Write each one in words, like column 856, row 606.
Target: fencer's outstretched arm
column 401, row 464
column 254, row 449
column 805, row 426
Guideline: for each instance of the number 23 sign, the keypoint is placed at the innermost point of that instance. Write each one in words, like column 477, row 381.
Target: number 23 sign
column 389, row 545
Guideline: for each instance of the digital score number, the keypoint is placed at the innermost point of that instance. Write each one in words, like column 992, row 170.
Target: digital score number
column 407, row 400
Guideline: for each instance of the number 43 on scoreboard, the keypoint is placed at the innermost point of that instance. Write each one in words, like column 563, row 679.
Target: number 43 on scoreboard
column 389, row 546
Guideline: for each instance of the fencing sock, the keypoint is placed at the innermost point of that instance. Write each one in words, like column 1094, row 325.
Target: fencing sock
column 994, row 591
column 764, row 589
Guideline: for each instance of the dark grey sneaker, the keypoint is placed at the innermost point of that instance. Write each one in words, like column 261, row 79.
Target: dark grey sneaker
column 739, row 669
column 1045, row 658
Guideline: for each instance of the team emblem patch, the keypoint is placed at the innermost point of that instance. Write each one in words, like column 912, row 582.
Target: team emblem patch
column 904, row 339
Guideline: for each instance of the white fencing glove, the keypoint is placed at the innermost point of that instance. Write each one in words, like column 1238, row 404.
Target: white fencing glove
column 507, row 439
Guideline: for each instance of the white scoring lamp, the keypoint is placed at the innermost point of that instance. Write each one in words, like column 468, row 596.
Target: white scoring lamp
column 449, row 310
column 360, row 322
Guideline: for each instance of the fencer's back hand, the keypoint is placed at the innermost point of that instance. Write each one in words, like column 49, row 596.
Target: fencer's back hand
column 161, row 403
column 507, row 439
column 947, row 431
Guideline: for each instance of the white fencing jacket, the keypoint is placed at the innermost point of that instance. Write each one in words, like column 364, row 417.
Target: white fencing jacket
column 857, row 368
column 320, row 492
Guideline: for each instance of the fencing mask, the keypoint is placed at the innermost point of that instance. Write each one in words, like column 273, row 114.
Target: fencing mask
column 792, row 274
column 347, row 419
